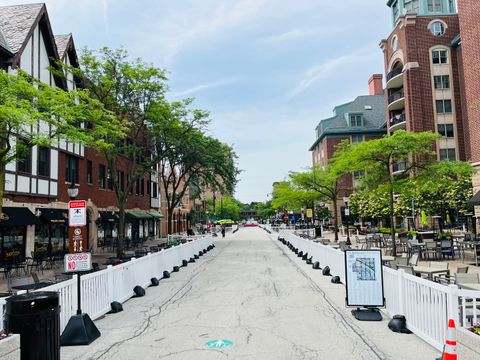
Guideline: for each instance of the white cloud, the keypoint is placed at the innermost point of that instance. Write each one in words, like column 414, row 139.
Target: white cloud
column 328, row 67
column 288, row 36
column 206, row 86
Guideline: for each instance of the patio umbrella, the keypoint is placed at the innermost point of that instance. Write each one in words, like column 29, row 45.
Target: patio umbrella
column 449, row 221
column 424, row 218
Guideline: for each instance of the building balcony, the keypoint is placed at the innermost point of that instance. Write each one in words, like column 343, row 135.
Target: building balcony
column 395, row 78
column 398, row 122
column 399, row 167
column 396, row 101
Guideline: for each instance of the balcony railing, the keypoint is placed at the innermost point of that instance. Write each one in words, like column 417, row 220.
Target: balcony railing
column 397, row 119
column 396, row 96
column 394, row 72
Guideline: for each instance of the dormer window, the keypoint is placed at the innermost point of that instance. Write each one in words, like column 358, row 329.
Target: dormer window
column 356, row 120
column 411, row 6
column 435, row 5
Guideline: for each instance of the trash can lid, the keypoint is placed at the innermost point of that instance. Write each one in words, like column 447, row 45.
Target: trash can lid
column 31, row 302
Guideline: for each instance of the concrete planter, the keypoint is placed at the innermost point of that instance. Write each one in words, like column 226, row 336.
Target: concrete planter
column 468, row 344
column 10, row 348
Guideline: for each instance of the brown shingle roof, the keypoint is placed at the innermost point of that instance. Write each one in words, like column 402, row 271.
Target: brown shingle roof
column 62, row 43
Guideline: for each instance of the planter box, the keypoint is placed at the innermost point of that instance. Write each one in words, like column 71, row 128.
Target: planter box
column 10, row 348
column 468, row 344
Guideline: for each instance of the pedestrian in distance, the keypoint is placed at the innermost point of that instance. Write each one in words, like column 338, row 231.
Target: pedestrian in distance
column 223, row 231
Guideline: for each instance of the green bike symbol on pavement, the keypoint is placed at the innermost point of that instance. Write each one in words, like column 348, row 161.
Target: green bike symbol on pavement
column 218, row 344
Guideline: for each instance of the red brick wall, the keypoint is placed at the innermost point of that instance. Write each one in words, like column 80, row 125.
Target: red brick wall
column 469, row 11
column 415, row 40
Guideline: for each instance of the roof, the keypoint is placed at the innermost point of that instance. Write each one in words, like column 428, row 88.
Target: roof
column 475, row 200
column 374, row 119
column 16, row 22
column 62, row 43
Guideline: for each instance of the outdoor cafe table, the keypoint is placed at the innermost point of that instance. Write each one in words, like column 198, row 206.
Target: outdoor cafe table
column 387, row 259
column 430, row 271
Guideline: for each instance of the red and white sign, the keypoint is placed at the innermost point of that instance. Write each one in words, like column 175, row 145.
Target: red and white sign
column 78, row 262
column 77, row 213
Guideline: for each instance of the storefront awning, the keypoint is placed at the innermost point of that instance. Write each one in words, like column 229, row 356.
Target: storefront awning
column 18, row 216
column 475, row 200
column 137, row 214
column 156, row 214
column 54, row 215
column 108, row 216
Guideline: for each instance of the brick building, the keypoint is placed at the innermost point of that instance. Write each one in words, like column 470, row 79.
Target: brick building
column 423, row 83
column 469, row 47
column 36, row 186
column 362, row 119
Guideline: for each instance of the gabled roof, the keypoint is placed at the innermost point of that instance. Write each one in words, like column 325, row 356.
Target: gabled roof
column 17, row 21
column 62, row 42
column 374, row 118
column 3, row 42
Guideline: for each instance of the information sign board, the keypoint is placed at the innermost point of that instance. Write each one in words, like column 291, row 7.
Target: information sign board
column 309, row 213
column 364, row 278
column 77, row 236
column 78, row 262
column 77, row 213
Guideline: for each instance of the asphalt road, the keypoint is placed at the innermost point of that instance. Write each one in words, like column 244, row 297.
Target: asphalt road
column 251, row 291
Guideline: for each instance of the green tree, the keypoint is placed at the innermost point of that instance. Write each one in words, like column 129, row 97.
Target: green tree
column 26, row 104
column 288, row 197
column 377, row 158
column 132, row 90
column 227, row 207
column 190, row 158
column 264, row 210
column 327, row 183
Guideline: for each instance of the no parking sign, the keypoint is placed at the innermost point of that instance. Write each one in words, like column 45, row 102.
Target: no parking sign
column 78, row 262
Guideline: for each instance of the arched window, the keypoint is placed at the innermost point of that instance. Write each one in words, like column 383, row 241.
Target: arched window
column 437, row 28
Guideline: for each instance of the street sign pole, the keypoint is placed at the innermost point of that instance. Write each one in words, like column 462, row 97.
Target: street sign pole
column 80, row 329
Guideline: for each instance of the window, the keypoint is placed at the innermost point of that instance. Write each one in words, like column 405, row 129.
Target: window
column 149, row 186
column 121, row 180
column 109, row 179
column 395, row 11
column 447, row 154
column 446, row 130
column 395, row 43
column 137, row 187
column 71, row 169
column 129, row 180
column 355, row 120
column 154, row 190
column 43, row 161
column 411, row 6
column 358, row 174
column 89, row 172
column 439, row 57
column 444, row 106
column 435, row 5
column 437, row 28
column 357, row 138
column 24, row 156
column 452, row 7
column 101, row 176
column 442, row 81
column 142, row 187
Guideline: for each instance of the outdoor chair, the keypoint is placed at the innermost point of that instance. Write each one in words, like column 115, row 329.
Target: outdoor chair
column 413, row 260
column 393, row 265
column 407, row 269
column 446, row 248
column 402, row 261
column 450, row 279
column 36, row 279
column 462, row 270
column 438, row 265
column 431, row 249
column 461, row 278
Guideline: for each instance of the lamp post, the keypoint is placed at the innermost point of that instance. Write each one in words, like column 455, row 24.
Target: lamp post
column 347, row 214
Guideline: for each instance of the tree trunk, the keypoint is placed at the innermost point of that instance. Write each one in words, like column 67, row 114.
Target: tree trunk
column 335, row 217
column 2, row 186
column 392, row 223
column 121, row 230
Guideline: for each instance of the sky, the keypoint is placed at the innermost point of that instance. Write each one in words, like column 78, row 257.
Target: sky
column 267, row 70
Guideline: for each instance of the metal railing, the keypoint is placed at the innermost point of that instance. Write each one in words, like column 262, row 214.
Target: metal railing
column 396, row 96
column 397, row 119
column 394, row 72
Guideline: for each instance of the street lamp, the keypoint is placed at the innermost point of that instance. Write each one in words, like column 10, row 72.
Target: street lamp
column 347, row 214
column 72, row 189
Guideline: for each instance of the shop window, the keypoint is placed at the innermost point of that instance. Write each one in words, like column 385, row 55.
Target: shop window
column 42, row 234
column 13, row 244
column 24, row 156
column 101, row 176
column 71, row 169
column 44, row 161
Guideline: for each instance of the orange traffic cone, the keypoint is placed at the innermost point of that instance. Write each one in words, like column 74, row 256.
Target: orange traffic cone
column 450, row 352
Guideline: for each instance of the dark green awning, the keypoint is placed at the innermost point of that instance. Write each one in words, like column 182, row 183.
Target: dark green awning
column 137, row 214
column 156, row 214
column 18, row 216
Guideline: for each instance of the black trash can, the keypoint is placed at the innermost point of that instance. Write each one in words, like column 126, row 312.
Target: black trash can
column 36, row 317
column 318, row 231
